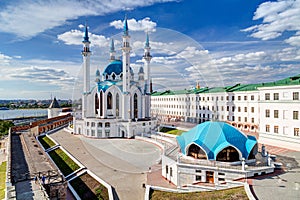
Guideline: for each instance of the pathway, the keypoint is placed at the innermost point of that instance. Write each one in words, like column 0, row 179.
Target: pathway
column 112, row 161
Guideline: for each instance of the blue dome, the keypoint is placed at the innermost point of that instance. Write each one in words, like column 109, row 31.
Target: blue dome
column 115, row 66
column 213, row 137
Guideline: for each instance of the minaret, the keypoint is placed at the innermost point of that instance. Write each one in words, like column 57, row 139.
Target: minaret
column 126, row 111
column 112, row 51
column 147, row 58
column 126, row 57
column 86, row 53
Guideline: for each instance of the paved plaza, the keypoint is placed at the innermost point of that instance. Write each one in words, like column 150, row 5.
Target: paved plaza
column 285, row 185
column 123, row 163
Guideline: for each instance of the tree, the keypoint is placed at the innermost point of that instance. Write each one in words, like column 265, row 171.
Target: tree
column 4, row 127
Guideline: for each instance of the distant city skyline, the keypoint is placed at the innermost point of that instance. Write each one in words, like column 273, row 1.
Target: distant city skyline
column 243, row 41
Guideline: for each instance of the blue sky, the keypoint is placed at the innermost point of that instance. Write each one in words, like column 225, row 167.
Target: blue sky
column 215, row 42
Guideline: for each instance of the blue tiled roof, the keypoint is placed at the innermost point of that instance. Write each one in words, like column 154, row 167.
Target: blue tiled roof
column 115, row 66
column 213, row 137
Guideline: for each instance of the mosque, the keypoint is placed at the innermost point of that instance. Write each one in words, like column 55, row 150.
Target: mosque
column 117, row 105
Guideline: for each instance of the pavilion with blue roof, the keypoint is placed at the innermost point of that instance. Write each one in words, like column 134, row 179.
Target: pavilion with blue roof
column 217, row 141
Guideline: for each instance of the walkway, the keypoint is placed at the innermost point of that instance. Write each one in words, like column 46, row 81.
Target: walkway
column 122, row 163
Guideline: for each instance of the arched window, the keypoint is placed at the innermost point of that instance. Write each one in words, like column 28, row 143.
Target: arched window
column 117, row 105
column 196, row 152
column 113, row 76
column 106, row 77
column 135, row 106
column 121, row 76
column 107, row 124
column 96, row 104
column 109, row 101
column 101, row 103
column 229, row 154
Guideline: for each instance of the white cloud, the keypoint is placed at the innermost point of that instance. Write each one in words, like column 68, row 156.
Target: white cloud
column 278, row 17
column 74, row 37
column 136, row 25
column 4, row 59
column 27, row 19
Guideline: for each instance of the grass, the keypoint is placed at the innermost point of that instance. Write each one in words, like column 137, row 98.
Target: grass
column 63, row 161
column 89, row 188
column 2, row 180
column 229, row 194
column 46, row 142
column 172, row 131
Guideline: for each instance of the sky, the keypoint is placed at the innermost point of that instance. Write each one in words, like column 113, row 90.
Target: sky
column 214, row 42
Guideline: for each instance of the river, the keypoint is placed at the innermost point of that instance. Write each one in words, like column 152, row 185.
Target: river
column 8, row 114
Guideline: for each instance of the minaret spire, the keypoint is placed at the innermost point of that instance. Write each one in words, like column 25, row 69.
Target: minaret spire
column 147, row 58
column 86, row 34
column 112, row 51
column 125, row 27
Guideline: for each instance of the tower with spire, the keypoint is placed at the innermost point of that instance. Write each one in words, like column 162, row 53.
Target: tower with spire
column 147, row 58
column 127, row 113
column 86, row 53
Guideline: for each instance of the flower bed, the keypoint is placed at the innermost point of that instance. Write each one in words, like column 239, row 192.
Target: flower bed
column 63, row 161
column 89, row 188
column 46, row 142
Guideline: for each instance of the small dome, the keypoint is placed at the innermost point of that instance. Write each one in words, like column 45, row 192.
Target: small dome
column 141, row 71
column 213, row 137
column 97, row 73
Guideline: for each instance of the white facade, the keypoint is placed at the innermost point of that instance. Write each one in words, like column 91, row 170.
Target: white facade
column 243, row 106
column 118, row 105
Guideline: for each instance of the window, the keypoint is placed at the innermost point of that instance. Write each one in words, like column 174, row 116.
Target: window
column 239, row 109
column 267, row 96
column 275, row 129
column 232, row 117
column 245, row 119
column 93, row 124
column 239, row 98
column 107, row 124
column 167, row 169
column 252, row 120
column 276, row 96
column 276, row 113
column 245, row 98
column 227, row 98
column 295, row 95
column 252, row 97
column 245, row 109
column 93, row 132
column 252, row 109
column 295, row 115
column 198, row 177
column 296, row 131
column 232, row 98
column 267, row 128
column 232, row 108
column 99, row 124
column 171, row 172
column 267, row 113
column 87, row 123
column 239, row 119
column 227, row 108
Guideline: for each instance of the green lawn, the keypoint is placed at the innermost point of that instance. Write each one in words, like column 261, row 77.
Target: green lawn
column 229, row 194
column 89, row 188
column 46, row 142
column 63, row 161
column 172, row 131
column 2, row 180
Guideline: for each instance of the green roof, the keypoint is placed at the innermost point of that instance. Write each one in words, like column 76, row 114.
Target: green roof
column 294, row 80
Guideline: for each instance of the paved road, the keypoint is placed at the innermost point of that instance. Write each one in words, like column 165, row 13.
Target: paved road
column 283, row 186
column 120, row 162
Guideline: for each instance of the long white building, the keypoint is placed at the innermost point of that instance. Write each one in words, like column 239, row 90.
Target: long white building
column 268, row 110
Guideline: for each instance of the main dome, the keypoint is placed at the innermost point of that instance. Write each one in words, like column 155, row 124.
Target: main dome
column 114, row 67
